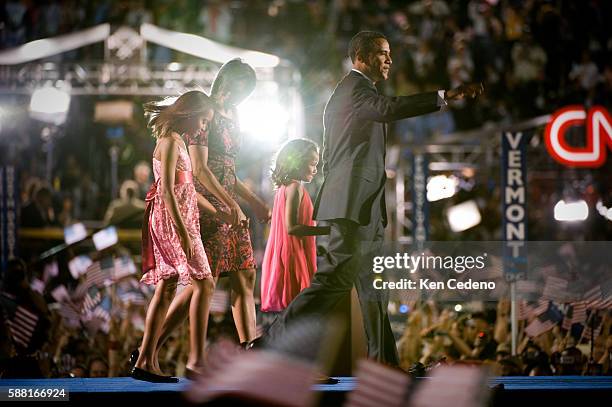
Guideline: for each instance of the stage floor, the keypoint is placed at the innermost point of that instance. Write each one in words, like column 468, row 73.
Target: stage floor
column 524, row 390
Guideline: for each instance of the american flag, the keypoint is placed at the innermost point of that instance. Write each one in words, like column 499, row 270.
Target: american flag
column 133, row 297
column 524, row 310
column 99, row 272
column 607, row 302
column 378, row 385
column 79, row 265
column 538, row 327
column 587, row 333
column 592, row 327
column 265, row 377
column 80, row 290
column 101, row 313
column 90, row 301
column 538, row 310
column 22, row 325
column 99, row 317
column 606, row 292
column 579, row 314
column 70, row 314
column 456, row 386
column 528, row 289
column 553, row 313
column 555, row 289
column 123, row 267
column 593, row 297
column 576, row 313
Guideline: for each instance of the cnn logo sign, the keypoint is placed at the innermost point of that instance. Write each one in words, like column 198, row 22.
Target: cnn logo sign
column 598, row 134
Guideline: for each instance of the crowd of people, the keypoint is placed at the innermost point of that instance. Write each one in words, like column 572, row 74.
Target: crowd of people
column 533, row 56
column 433, row 333
column 66, row 330
column 436, row 334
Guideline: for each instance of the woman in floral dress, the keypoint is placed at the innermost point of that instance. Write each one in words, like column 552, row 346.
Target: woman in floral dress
column 228, row 246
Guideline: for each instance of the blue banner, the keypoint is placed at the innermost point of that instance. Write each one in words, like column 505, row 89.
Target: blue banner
column 9, row 201
column 514, row 203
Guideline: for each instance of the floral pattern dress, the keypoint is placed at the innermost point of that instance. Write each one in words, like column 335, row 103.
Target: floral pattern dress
column 169, row 257
column 229, row 248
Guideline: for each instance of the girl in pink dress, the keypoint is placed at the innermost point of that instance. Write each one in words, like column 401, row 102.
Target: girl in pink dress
column 290, row 258
column 172, row 250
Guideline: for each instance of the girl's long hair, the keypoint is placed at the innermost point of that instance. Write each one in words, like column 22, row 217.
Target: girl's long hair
column 170, row 113
column 290, row 159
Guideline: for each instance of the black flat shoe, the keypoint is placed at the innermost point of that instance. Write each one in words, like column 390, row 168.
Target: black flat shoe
column 327, row 380
column 141, row 374
column 134, row 358
column 257, row 343
column 192, row 374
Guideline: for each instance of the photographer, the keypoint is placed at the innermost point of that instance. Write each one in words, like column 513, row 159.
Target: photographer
column 536, row 361
column 476, row 342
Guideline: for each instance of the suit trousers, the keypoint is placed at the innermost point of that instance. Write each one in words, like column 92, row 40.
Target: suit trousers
column 341, row 268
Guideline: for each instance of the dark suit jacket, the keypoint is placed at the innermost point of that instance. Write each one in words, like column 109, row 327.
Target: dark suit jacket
column 354, row 147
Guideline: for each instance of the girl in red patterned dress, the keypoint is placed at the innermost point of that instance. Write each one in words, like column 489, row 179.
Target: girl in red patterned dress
column 228, row 246
column 290, row 259
column 172, row 250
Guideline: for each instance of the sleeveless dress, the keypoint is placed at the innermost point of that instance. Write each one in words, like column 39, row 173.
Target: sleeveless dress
column 165, row 244
column 289, row 261
column 229, row 249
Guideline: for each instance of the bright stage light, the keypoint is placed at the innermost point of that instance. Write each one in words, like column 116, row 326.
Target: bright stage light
column 50, row 104
column 463, row 216
column 265, row 120
column 571, row 211
column 440, row 187
column 603, row 210
column 458, row 307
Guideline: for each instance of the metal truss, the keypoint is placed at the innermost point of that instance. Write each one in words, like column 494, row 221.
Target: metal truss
column 114, row 78
column 474, row 149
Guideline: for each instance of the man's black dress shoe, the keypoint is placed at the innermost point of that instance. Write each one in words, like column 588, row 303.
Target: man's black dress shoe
column 141, row 374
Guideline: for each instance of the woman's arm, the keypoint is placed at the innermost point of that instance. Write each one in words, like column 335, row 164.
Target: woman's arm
column 262, row 211
column 293, row 197
column 205, row 205
column 502, row 321
column 169, row 156
column 458, row 342
column 199, row 160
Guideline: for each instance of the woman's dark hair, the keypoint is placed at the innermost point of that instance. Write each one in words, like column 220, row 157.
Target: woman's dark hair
column 170, row 113
column 232, row 71
column 363, row 44
column 290, row 159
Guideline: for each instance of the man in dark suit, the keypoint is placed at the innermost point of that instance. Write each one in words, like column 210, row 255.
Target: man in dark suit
column 352, row 198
